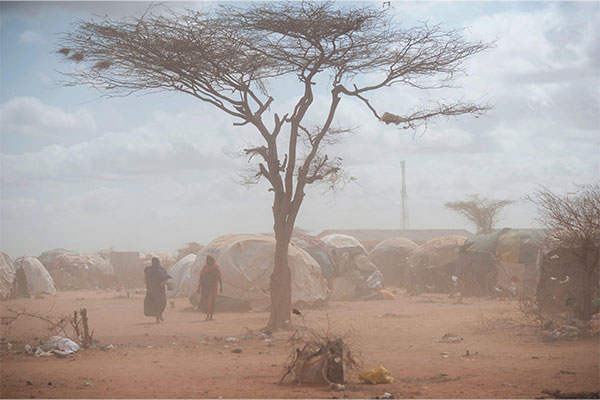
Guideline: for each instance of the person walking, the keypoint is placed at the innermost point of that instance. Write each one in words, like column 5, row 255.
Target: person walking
column 207, row 287
column 155, row 301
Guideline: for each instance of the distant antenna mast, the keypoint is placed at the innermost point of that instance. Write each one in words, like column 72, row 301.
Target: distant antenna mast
column 404, row 197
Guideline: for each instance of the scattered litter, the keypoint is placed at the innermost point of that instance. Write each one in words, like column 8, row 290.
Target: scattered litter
column 445, row 354
column 236, row 350
column 338, row 387
column 148, row 347
column 67, row 345
column 449, row 338
column 246, row 337
column 390, row 315
column 564, row 371
column 376, row 375
column 387, row 395
column 28, row 383
column 232, row 339
column 28, row 348
column 576, row 330
column 87, row 384
column 268, row 342
column 226, row 346
column 107, row 348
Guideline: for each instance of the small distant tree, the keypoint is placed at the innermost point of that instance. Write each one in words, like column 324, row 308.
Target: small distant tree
column 231, row 57
column 482, row 212
column 572, row 222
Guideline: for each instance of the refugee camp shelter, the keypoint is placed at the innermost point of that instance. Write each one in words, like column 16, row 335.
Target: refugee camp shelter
column 38, row 279
column 432, row 264
column 319, row 251
column 7, row 275
column 356, row 275
column 82, row 271
column 369, row 238
column 500, row 263
column 391, row 258
column 181, row 273
column 47, row 258
column 246, row 263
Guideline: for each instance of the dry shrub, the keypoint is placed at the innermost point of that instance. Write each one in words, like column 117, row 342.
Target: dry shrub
column 319, row 357
column 538, row 316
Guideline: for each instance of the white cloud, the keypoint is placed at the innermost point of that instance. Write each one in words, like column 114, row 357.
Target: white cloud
column 30, row 37
column 30, row 116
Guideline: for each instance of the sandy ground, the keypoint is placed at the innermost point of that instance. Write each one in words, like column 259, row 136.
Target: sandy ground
column 186, row 357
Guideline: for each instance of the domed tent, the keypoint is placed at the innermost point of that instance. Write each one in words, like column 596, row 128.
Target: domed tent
column 48, row 258
column 82, row 271
column 7, row 275
column 246, row 263
column 391, row 258
column 181, row 272
column 38, row 278
column 319, row 251
column 432, row 264
column 356, row 275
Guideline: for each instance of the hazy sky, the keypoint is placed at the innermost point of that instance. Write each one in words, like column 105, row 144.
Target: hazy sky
column 152, row 172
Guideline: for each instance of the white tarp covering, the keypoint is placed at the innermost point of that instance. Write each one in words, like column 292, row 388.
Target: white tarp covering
column 339, row 242
column 181, row 272
column 246, row 263
column 38, row 278
column 7, row 275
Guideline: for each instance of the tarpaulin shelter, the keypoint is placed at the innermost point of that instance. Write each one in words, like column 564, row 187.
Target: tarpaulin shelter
column 501, row 262
column 432, row 264
column 246, row 263
column 47, row 258
column 82, row 271
column 391, row 258
column 7, row 275
column 38, row 279
column 181, row 272
column 317, row 250
column 355, row 273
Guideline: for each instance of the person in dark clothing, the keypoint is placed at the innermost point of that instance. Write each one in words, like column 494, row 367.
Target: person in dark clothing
column 207, row 287
column 156, row 295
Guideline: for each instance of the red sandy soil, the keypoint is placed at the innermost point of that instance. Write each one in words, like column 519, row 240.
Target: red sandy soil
column 185, row 357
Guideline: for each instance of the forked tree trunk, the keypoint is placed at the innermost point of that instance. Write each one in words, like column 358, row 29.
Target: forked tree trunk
column 281, row 285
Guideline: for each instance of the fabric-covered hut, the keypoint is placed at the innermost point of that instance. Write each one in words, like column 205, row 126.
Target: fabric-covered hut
column 356, row 275
column 391, row 258
column 181, row 272
column 82, row 271
column 503, row 262
column 432, row 264
column 7, row 275
column 319, row 251
column 246, row 263
column 38, row 279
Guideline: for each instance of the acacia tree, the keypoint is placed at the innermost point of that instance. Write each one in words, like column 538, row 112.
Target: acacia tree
column 572, row 222
column 482, row 212
column 228, row 56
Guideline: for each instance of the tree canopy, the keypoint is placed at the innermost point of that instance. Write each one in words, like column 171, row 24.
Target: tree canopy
column 228, row 56
column 481, row 211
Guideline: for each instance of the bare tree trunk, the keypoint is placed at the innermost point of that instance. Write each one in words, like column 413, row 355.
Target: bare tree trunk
column 281, row 284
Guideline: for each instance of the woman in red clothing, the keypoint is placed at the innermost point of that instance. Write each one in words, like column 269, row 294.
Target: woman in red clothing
column 207, row 287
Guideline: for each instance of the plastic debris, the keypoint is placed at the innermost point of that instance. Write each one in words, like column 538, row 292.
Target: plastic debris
column 376, row 375
column 67, row 345
column 449, row 338
column 232, row 339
